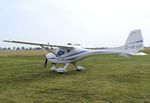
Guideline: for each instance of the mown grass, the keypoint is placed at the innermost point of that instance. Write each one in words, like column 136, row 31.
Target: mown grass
column 107, row 79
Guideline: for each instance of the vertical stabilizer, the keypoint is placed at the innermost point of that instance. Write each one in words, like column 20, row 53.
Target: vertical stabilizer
column 134, row 42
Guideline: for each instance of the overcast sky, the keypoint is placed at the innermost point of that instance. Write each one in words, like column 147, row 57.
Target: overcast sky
column 98, row 23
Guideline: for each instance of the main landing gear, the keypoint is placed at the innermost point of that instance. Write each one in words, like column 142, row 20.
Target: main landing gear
column 63, row 70
column 78, row 68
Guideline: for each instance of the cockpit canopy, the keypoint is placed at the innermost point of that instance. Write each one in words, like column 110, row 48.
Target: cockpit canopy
column 61, row 52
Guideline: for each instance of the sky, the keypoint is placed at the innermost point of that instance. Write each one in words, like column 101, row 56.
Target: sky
column 91, row 23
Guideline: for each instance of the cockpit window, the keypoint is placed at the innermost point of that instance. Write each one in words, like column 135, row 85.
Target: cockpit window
column 68, row 50
column 60, row 52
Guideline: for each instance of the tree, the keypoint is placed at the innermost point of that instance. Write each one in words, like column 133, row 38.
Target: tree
column 9, row 48
column 23, row 48
column 30, row 48
column 14, row 48
column 18, row 48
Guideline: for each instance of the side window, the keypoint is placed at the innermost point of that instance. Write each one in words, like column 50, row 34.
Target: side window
column 60, row 52
column 68, row 50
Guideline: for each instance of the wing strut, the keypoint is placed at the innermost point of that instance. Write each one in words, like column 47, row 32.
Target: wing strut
column 48, row 49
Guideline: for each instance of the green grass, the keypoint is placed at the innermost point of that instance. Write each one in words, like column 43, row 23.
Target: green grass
column 107, row 79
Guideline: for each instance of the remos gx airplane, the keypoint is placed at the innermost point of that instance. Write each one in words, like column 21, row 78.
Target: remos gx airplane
column 70, row 54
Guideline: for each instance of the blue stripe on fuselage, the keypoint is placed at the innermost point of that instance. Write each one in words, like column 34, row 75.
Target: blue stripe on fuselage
column 101, row 52
column 51, row 58
column 72, row 58
column 75, row 54
column 71, row 55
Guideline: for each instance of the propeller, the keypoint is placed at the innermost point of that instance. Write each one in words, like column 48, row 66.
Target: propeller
column 45, row 62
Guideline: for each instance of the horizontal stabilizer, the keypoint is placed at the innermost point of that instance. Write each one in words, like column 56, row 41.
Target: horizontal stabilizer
column 139, row 54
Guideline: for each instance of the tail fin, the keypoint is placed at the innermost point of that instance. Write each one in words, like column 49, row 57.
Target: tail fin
column 134, row 42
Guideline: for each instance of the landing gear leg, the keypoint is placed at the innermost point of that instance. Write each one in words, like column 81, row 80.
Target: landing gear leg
column 62, row 70
column 53, row 68
column 78, row 68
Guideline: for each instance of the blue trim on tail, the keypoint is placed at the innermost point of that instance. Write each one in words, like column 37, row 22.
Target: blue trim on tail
column 136, row 42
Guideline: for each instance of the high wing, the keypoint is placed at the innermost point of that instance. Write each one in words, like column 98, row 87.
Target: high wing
column 42, row 45
column 39, row 44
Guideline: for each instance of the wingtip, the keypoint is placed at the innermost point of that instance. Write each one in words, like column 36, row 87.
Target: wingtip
column 6, row 41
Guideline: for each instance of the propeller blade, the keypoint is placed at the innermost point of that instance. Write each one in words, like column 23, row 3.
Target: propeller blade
column 45, row 62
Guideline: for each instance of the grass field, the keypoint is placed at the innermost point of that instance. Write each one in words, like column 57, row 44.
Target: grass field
column 107, row 79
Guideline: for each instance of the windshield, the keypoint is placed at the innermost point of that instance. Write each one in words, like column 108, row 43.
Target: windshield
column 60, row 52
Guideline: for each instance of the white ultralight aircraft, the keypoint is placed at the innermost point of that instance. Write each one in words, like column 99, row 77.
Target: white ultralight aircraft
column 70, row 54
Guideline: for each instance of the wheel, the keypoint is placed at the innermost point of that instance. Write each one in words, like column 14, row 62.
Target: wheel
column 53, row 69
column 80, row 68
column 61, row 70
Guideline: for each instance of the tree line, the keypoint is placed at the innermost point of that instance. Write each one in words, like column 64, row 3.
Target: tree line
column 21, row 48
